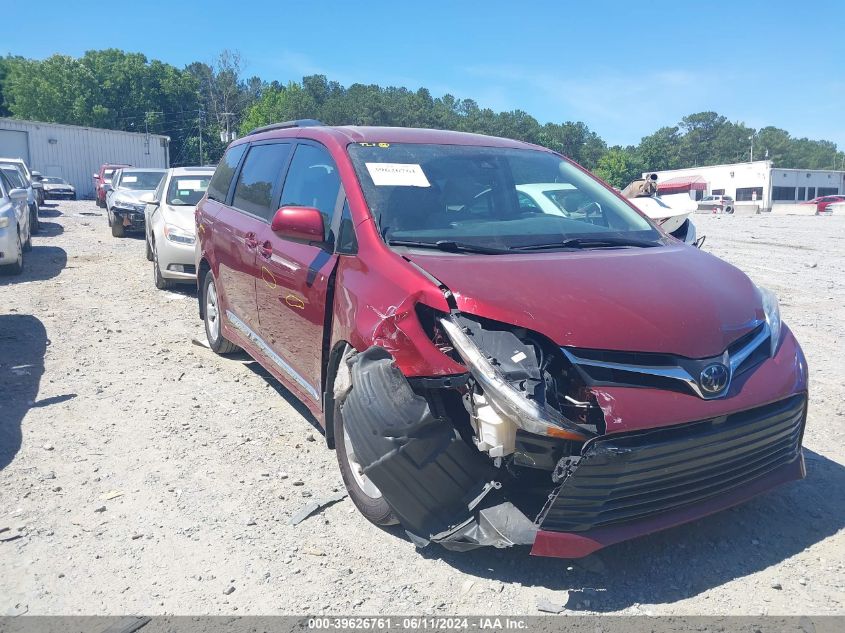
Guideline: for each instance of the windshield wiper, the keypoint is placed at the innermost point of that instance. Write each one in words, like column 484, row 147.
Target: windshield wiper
column 450, row 246
column 588, row 242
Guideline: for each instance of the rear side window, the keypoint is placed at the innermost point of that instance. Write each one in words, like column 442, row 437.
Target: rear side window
column 259, row 177
column 218, row 188
column 312, row 181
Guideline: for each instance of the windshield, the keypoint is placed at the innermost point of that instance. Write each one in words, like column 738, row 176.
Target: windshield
column 14, row 177
column 51, row 180
column 141, row 180
column 187, row 191
column 485, row 196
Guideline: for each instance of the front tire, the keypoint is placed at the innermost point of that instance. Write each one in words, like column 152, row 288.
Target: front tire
column 149, row 250
column 34, row 222
column 364, row 493
column 160, row 282
column 117, row 229
column 218, row 343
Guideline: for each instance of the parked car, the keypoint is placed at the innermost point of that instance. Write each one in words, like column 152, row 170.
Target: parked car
column 836, row 207
column 717, row 204
column 170, row 225
column 32, row 177
column 491, row 373
column 14, row 172
column 822, row 203
column 124, row 208
column 56, row 188
column 37, row 179
column 102, row 178
column 15, row 232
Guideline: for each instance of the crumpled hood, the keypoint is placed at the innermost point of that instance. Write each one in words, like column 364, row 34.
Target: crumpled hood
column 673, row 299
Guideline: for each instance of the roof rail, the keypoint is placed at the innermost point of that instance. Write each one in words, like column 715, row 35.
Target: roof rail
column 285, row 125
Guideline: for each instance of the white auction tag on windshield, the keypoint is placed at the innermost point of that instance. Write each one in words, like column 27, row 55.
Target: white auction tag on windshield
column 130, row 179
column 397, row 175
column 196, row 185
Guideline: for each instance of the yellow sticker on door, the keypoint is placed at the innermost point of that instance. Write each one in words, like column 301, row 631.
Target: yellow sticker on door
column 268, row 278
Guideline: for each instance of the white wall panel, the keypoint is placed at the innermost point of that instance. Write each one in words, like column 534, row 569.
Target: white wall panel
column 75, row 152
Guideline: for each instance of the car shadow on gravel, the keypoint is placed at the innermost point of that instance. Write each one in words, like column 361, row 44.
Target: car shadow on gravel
column 40, row 264
column 684, row 561
column 283, row 391
column 49, row 229
column 23, row 344
column 49, row 211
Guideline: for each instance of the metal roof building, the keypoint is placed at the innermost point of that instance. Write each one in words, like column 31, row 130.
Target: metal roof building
column 74, row 153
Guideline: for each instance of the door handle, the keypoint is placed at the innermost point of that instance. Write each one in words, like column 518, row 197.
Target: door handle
column 266, row 250
column 250, row 241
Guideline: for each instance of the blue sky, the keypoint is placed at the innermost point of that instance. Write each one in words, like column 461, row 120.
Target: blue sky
column 621, row 70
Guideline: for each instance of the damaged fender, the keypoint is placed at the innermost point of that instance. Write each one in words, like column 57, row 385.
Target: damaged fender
column 440, row 488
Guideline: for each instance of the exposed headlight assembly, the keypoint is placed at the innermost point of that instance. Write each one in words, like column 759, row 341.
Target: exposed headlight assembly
column 504, row 398
column 771, row 308
column 175, row 234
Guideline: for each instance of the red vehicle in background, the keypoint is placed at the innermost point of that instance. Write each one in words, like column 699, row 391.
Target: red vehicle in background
column 102, row 178
column 822, row 202
column 491, row 371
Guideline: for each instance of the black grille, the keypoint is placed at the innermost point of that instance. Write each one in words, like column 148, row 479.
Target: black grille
column 632, row 476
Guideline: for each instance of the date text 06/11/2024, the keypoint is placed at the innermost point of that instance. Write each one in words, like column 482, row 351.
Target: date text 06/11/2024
column 417, row 623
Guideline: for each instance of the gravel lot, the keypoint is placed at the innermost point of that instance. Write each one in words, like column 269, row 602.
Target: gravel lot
column 143, row 474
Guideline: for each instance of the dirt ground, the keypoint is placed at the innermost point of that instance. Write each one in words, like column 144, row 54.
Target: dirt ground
column 143, row 474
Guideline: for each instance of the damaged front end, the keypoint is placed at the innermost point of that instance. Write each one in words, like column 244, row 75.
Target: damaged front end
column 516, row 450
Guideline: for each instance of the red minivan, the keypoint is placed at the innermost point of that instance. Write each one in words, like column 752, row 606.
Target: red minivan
column 491, row 370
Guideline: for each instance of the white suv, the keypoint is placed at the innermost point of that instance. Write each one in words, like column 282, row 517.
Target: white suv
column 718, row 204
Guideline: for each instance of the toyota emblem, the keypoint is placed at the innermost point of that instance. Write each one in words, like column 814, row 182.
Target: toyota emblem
column 714, row 378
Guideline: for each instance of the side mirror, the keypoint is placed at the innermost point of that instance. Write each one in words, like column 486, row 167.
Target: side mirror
column 149, row 198
column 299, row 223
column 18, row 194
column 96, row 176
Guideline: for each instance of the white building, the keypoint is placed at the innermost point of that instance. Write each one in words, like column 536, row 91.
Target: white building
column 755, row 184
column 75, row 153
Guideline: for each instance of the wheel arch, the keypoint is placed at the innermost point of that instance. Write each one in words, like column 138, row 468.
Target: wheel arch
column 335, row 358
column 202, row 269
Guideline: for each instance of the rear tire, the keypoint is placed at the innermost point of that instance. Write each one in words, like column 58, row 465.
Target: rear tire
column 149, row 250
column 218, row 343
column 27, row 246
column 117, row 229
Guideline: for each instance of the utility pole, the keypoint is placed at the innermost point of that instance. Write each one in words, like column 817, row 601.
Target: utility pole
column 751, row 138
column 199, row 125
column 147, row 116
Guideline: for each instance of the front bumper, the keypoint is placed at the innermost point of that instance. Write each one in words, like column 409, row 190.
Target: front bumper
column 628, row 485
column 8, row 245
column 175, row 260
column 137, row 220
column 58, row 195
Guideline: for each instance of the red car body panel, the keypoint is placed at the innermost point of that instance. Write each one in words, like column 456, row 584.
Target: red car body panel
column 644, row 300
